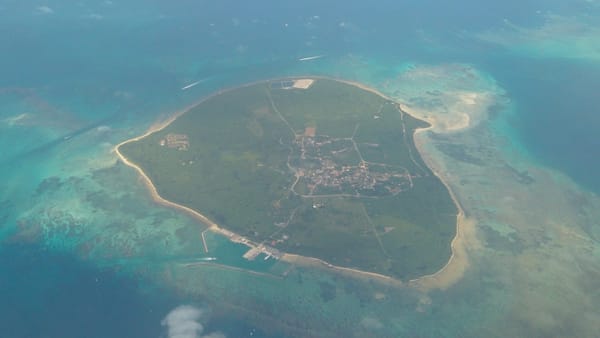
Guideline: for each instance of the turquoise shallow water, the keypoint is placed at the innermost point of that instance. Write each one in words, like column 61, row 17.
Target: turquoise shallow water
column 77, row 79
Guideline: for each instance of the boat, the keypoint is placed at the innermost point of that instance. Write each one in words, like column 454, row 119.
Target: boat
column 308, row 58
column 208, row 259
column 191, row 85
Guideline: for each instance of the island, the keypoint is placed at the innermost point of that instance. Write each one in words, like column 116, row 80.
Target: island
column 311, row 168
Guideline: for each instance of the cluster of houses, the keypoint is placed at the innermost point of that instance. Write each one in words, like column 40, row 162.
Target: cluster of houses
column 176, row 141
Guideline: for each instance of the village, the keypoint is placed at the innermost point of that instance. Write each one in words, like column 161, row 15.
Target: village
column 317, row 168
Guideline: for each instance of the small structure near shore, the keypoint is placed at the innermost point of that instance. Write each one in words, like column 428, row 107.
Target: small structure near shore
column 176, row 141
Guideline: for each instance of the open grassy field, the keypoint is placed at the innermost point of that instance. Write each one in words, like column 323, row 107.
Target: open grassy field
column 330, row 172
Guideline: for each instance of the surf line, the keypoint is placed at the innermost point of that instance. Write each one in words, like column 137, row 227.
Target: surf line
column 308, row 58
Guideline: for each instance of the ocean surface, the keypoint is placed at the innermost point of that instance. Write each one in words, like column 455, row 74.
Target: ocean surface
column 84, row 252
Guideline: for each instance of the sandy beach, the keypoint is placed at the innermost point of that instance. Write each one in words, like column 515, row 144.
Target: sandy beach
column 319, row 263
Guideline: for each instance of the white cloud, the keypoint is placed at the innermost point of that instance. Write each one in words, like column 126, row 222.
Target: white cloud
column 185, row 322
column 214, row 335
column 371, row 323
column 95, row 16
column 103, row 129
column 45, row 10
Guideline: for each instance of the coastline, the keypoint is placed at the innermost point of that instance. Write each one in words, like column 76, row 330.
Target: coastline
column 356, row 273
column 450, row 273
column 458, row 262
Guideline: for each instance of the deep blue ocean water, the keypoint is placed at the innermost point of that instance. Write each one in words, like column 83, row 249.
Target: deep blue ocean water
column 559, row 115
column 46, row 294
column 122, row 64
column 54, row 295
